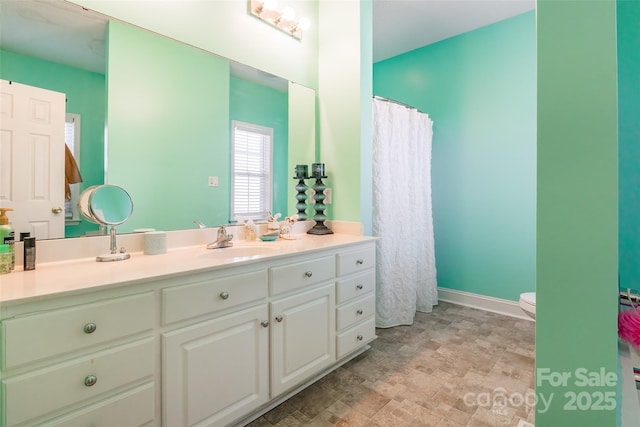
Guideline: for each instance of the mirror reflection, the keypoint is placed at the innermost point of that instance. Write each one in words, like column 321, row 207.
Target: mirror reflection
column 110, row 205
column 107, row 205
column 169, row 112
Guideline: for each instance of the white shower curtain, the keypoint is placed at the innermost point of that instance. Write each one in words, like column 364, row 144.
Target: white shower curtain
column 402, row 217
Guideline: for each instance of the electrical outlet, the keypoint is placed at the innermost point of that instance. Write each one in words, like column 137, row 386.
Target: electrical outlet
column 213, row 181
column 327, row 196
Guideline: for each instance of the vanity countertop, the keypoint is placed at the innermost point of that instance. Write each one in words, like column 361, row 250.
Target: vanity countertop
column 68, row 277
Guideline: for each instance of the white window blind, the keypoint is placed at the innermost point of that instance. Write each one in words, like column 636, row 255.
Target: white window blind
column 251, row 176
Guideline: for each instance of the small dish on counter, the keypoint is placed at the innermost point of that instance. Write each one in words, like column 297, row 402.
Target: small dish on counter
column 269, row 237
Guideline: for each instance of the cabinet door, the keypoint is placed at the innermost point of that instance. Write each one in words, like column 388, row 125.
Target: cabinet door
column 216, row 371
column 302, row 337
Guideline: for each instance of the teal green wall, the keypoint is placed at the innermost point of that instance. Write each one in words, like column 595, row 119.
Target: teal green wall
column 85, row 93
column 577, row 215
column 479, row 89
column 260, row 105
column 168, row 130
column 628, row 17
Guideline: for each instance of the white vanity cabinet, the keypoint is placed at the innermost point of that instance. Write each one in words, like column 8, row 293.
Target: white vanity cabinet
column 216, row 370
column 355, row 299
column 182, row 339
column 71, row 365
column 303, row 322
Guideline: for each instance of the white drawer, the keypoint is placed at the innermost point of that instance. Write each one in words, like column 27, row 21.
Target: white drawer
column 356, row 260
column 301, row 274
column 355, row 286
column 184, row 302
column 355, row 337
column 132, row 408
column 355, row 311
column 46, row 334
column 43, row 391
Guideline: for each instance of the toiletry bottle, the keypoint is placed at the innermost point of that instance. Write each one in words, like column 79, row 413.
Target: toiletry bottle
column 29, row 253
column 7, row 234
column 5, row 259
column 250, row 231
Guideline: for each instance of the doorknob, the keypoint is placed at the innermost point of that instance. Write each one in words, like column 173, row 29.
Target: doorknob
column 56, row 210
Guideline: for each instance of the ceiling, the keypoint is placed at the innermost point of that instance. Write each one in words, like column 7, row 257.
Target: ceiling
column 398, row 26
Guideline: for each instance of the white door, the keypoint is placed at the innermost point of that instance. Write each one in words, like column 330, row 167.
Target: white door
column 32, row 158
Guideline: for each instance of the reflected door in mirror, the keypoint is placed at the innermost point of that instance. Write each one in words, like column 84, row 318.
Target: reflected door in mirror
column 31, row 149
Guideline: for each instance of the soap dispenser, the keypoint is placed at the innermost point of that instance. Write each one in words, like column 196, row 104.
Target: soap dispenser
column 7, row 234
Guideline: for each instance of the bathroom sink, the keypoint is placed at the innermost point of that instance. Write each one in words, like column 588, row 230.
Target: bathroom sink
column 242, row 250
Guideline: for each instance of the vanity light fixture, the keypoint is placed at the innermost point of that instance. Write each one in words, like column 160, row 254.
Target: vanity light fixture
column 284, row 20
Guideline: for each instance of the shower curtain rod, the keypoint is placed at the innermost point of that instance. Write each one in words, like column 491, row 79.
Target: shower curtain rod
column 381, row 98
column 628, row 298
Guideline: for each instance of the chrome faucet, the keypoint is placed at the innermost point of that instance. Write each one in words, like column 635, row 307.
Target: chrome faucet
column 223, row 239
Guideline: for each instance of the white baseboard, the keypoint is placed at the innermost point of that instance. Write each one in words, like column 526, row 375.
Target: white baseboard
column 482, row 302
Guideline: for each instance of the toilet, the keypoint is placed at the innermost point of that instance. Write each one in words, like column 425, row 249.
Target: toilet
column 528, row 303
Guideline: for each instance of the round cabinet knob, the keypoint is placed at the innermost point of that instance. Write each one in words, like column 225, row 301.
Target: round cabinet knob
column 359, row 337
column 360, row 312
column 89, row 328
column 265, row 323
column 308, row 274
column 224, row 295
column 56, row 210
column 359, row 287
column 360, row 262
column 279, row 318
column 90, row 380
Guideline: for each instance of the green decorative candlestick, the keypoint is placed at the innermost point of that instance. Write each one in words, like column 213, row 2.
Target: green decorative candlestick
column 301, row 188
column 301, row 197
column 319, row 187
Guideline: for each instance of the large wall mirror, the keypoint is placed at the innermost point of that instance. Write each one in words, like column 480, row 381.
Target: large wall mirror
column 155, row 114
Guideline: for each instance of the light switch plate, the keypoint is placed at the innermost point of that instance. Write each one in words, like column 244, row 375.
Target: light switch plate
column 213, row 181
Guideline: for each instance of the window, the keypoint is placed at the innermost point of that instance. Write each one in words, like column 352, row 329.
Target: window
column 251, row 174
column 72, row 139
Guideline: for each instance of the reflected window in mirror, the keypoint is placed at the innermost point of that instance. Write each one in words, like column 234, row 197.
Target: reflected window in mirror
column 251, row 176
column 72, row 139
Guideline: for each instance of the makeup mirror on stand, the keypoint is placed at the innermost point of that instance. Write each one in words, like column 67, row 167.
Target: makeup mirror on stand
column 107, row 205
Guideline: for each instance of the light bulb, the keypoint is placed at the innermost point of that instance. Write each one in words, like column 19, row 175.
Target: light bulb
column 288, row 14
column 304, row 24
column 270, row 4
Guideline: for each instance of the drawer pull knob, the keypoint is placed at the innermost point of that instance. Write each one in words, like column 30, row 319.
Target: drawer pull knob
column 360, row 262
column 265, row 323
column 90, row 380
column 308, row 274
column 359, row 337
column 360, row 312
column 279, row 318
column 359, row 287
column 89, row 328
column 224, row 295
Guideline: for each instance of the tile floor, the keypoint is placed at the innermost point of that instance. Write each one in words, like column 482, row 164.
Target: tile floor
column 454, row 367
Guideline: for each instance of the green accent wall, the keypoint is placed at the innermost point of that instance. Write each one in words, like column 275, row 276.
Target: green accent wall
column 85, row 92
column 366, row 118
column 260, row 105
column 302, row 134
column 339, row 94
column 577, row 215
column 168, row 129
column 479, row 88
column 628, row 19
